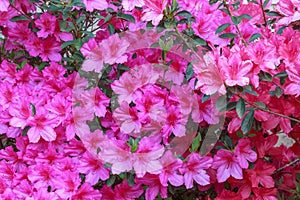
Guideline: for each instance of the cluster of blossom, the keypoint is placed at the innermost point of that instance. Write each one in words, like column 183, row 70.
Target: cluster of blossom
column 149, row 113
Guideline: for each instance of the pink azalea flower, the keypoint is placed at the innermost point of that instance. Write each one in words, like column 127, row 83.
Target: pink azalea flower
column 86, row 191
column 50, row 50
column 42, row 126
column 128, row 120
column 244, row 152
column 124, row 191
column 67, row 184
column 234, row 70
column 94, row 56
column 130, row 4
column 114, row 49
column 93, row 169
column 227, row 165
column 20, row 112
column 153, row 186
column 46, row 23
column 4, row 4
column 101, row 102
column 264, row 55
column 194, row 170
column 209, row 77
column 92, row 5
column 170, row 169
column 146, row 158
column 154, row 11
column 175, row 122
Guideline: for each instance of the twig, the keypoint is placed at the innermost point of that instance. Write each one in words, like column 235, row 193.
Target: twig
column 285, row 166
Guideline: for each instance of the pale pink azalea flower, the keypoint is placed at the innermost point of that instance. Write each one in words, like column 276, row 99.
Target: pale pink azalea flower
column 94, row 57
column 42, row 126
column 114, row 49
column 46, row 23
column 92, row 5
column 130, row 4
column 154, row 11
column 118, row 154
column 93, row 141
column 170, row 170
column 194, row 170
column 4, row 4
column 234, row 71
column 146, row 158
column 209, row 77
column 227, row 165
column 93, row 169
column 128, row 120
column 244, row 153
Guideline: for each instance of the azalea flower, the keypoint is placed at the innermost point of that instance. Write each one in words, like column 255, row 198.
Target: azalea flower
column 4, row 4
column 92, row 5
column 46, row 23
column 227, row 165
column 130, row 4
column 154, row 11
column 194, row 169
column 261, row 174
column 244, row 152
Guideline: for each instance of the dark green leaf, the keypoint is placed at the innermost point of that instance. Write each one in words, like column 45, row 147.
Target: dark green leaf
column 205, row 98
column 127, row 17
column 227, row 35
column 200, row 41
column 273, row 13
column 130, row 179
column 266, row 3
column 33, row 109
column 111, row 181
column 111, row 29
column 235, row 20
column 280, row 30
column 254, row 37
column 248, row 122
column 18, row 18
column 277, row 92
column 222, row 28
column 25, row 130
column 189, row 71
column 240, row 108
column 231, row 106
column 184, row 13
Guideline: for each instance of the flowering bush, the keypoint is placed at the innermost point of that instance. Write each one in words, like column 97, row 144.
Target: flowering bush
column 149, row 99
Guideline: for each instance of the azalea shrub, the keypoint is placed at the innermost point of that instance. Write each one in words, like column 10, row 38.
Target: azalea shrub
column 150, row 99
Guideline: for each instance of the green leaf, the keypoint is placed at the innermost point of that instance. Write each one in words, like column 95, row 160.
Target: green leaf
column 127, row 17
column 234, row 20
column 277, row 92
column 273, row 14
column 189, row 71
column 230, row 106
column 25, row 130
column 254, row 37
column 205, row 98
column 282, row 74
column 77, row 44
column 18, row 18
column 222, row 28
column 248, row 122
column 111, row 181
column 280, row 30
column 111, row 29
column 130, row 179
column 200, row 41
column 184, row 13
column 261, row 104
column 265, row 3
column 196, row 143
column 227, row 35
column 240, row 108
column 33, row 109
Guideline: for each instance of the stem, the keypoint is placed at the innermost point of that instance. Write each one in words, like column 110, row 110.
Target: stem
column 287, row 165
column 263, row 12
column 274, row 113
column 236, row 26
column 28, row 17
